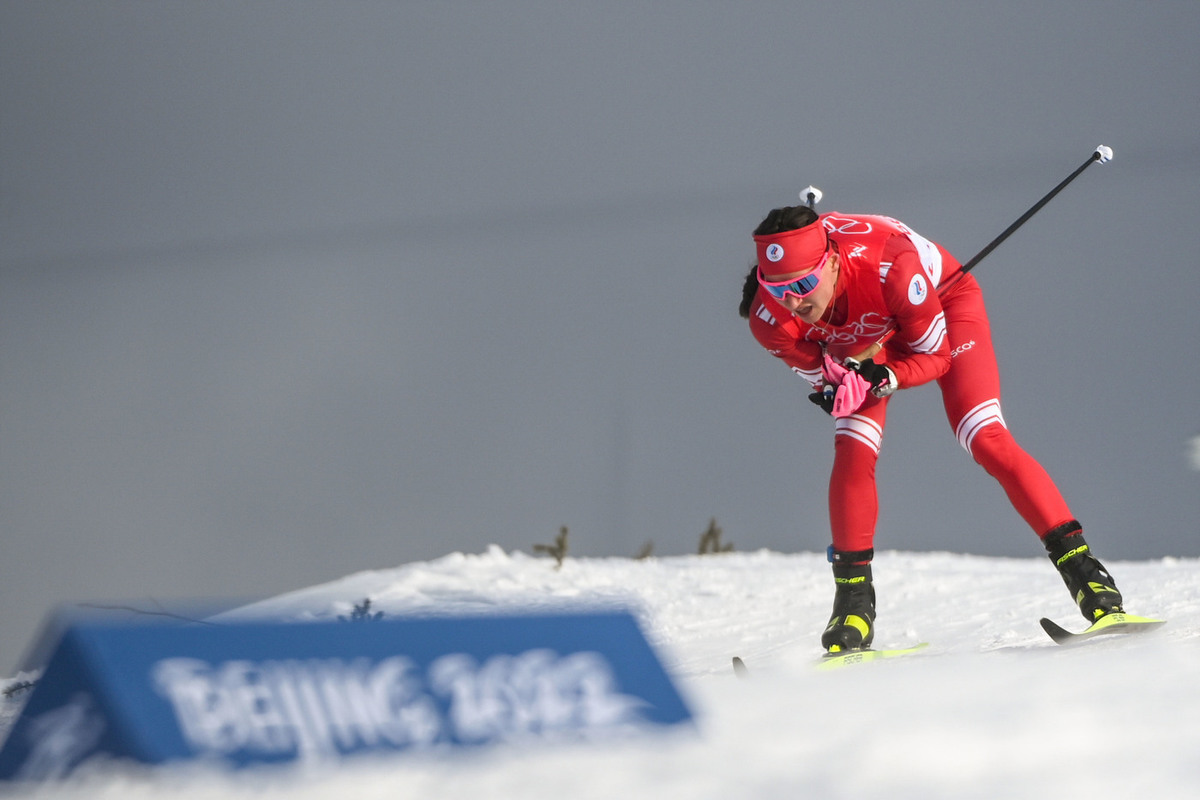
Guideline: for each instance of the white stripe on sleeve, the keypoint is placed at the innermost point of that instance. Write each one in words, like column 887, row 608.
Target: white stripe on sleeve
column 933, row 337
column 813, row 376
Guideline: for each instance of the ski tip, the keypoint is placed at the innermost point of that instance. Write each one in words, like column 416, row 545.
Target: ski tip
column 1115, row 622
column 739, row 668
column 1055, row 631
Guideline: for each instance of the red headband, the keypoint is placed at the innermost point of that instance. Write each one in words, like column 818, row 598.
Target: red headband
column 791, row 251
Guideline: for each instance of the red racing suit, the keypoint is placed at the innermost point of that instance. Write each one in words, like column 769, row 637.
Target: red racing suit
column 896, row 285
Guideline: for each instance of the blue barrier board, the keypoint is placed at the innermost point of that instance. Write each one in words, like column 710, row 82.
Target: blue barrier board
column 260, row 692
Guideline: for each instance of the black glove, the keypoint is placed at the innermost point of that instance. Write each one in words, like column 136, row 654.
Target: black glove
column 882, row 379
column 824, row 399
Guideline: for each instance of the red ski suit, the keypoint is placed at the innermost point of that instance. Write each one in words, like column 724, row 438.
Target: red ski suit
column 888, row 286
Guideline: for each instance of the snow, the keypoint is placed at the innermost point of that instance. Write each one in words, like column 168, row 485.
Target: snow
column 992, row 709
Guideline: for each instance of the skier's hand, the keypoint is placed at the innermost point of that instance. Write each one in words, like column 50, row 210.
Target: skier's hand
column 881, row 380
column 833, row 372
column 844, row 400
column 824, row 399
column 844, row 390
column 850, row 395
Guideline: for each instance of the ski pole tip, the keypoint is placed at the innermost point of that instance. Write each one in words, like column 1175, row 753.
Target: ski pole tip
column 1103, row 154
column 811, row 195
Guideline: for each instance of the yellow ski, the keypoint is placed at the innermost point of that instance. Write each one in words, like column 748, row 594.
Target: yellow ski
column 836, row 660
column 1116, row 622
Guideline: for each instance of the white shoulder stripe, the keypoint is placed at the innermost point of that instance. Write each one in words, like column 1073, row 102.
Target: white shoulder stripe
column 931, row 257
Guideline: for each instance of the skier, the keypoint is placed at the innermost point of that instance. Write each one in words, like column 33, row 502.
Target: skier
column 862, row 306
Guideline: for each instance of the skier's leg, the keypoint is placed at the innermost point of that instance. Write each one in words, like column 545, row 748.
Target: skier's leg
column 853, row 511
column 971, row 394
column 853, row 498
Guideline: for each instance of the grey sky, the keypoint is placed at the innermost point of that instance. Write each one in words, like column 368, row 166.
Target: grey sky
column 289, row 291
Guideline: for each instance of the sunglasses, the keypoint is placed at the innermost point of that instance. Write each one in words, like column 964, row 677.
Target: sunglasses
column 800, row 287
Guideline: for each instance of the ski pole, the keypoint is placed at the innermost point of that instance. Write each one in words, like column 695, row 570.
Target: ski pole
column 1102, row 154
column 812, row 195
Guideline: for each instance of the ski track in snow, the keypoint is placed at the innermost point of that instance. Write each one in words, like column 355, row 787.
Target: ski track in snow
column 992, row 709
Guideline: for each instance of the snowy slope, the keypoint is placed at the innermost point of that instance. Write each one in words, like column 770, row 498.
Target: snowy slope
column 993, row 709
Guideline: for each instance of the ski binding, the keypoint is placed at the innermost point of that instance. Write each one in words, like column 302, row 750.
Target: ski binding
column 845, row 658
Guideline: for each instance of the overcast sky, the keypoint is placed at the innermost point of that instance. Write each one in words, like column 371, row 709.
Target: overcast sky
column 289, row 291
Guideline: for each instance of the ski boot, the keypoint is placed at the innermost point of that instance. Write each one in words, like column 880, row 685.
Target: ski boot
column 1090, row 585
column 852, row 626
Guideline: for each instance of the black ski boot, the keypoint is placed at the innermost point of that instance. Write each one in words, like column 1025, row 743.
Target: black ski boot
column 852, row 626
column 1090, row 585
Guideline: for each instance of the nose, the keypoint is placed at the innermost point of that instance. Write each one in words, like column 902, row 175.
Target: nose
column 791, row 302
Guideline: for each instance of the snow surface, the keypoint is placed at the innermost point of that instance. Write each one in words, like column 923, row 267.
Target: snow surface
column 992, row 709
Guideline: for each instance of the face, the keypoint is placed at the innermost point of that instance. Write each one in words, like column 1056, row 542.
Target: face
column 810, row 308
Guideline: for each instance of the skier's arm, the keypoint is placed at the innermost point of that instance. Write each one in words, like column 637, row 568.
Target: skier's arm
column 919, row 352
column 803, row 356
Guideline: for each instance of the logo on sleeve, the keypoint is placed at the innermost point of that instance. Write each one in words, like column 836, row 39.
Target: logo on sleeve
column 918, row 290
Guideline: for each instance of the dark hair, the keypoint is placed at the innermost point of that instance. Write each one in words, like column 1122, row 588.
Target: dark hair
column 749, row 289
column 788, row 218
